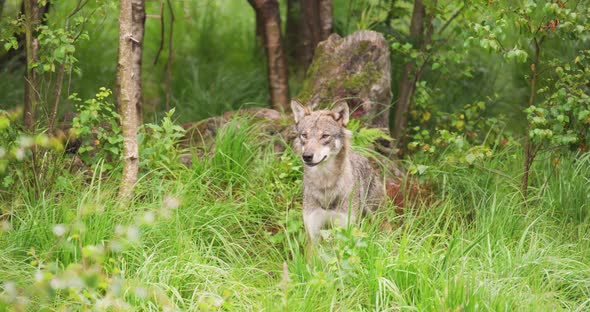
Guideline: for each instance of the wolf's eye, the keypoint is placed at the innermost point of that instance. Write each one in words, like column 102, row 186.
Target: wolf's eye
column 325, row 136
column 304, row 136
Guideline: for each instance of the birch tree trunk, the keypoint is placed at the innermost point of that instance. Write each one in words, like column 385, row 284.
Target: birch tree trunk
column 278, row 81
column 131, row 30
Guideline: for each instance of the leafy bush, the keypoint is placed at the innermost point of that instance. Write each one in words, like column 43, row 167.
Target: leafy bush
column 563, row 118
column 97, row 128
column 461, row 136
column 159, row 145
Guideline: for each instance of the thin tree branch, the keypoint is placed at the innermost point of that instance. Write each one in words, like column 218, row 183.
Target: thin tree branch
column 61, row 71
column 56, row 97
column 170, row 55
column 530, row 151
column 79, row 6
column 162, row 32
column 451, row 19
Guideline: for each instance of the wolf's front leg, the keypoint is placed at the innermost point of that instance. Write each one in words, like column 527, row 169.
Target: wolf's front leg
column 314, row 220
column 342, row 219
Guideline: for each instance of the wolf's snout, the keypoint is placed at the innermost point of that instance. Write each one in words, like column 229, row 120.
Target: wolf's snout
column 307, row 157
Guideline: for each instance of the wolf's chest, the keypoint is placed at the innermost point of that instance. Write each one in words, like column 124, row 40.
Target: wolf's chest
column 331, row 187
column 331, row 202
column 337, row 197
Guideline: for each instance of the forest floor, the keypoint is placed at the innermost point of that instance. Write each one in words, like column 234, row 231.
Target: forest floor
column 227, row 234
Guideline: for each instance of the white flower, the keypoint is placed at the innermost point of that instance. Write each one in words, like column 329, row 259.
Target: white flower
column 5, row 226
column 20, row 154
column 57, row 283
column 148, row 217
column 133, row 233
column 39, row 276
column 25, row 141
column 59, row 230
column 171, row 202
column 141, row 292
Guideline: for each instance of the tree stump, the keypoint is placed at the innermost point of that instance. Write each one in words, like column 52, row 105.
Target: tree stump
column 356, row 69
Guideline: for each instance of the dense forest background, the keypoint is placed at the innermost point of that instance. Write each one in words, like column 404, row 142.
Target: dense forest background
column 485, row 158
column 220, row 66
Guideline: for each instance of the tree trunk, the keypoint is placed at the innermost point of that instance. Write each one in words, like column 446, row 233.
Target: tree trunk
column 260, row 34
column 20, row 52
column 31, row 9
column 408, row 82
column 306, row 43
column 278, row 81
column 2, row 2
column 293, row 29
column 315, row 23
column 325, row 10
column 131, row 31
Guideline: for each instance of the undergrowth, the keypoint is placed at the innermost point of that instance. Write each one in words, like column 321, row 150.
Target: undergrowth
column 227, row 234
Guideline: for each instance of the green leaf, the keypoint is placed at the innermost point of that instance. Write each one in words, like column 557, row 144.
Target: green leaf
column 60, row 53
column 470, row 158
column 8, row 181
column 4, row 122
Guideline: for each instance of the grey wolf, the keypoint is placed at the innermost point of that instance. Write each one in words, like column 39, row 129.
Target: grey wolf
column 339, row 185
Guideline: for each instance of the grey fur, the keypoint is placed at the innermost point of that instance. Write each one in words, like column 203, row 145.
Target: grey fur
column 339, row 186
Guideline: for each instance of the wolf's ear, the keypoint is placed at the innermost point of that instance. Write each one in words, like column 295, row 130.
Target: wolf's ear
column 299, row 111
column 341, row 112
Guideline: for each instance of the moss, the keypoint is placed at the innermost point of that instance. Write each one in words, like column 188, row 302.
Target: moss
column 350, row 83
column 320, row 61
column 363, row 46
column 363, row 79
column 326, row 92
column 319, row 58
column 306, row 92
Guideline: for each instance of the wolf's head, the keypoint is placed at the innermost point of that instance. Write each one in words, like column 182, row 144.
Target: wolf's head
column 321, row 134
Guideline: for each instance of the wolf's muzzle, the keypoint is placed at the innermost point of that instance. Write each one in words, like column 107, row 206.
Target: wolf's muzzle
column 309, row 163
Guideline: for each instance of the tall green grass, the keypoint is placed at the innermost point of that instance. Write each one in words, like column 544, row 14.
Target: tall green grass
column 227, row 234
